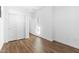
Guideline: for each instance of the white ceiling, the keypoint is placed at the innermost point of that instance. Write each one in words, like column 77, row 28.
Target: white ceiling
column 25, row 9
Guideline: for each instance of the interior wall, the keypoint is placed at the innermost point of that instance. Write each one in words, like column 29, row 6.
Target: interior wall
column 1, row 33
column 43, row 19
column 67, row 25
column 1, row 29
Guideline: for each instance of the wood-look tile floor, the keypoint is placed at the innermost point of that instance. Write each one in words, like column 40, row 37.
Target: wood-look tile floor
column 36, row 45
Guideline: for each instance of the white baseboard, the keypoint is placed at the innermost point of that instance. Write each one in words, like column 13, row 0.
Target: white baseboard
column 42, row 37
column 1, row 45
column 67, row 43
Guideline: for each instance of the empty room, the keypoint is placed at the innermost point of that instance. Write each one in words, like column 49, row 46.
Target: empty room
column 39, row 29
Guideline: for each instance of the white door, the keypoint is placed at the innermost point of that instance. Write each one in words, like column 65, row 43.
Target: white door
column 12, row 34
column 20, row 24
column 16, row 27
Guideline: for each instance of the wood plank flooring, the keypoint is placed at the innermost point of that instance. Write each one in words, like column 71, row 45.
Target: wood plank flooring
column 36, row 45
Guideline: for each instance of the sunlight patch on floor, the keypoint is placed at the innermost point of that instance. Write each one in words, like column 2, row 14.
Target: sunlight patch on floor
column 38, row 46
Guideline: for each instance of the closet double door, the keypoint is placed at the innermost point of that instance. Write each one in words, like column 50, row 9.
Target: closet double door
column 16, row 26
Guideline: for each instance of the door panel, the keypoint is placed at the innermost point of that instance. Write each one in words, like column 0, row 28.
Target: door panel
column 16, row 26
column 20, row 26
column 12, row 34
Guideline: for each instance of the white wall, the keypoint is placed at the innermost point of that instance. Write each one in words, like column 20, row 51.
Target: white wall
column 67, row 25
column 1, row 33
column 1, row 29
column 45, row 17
